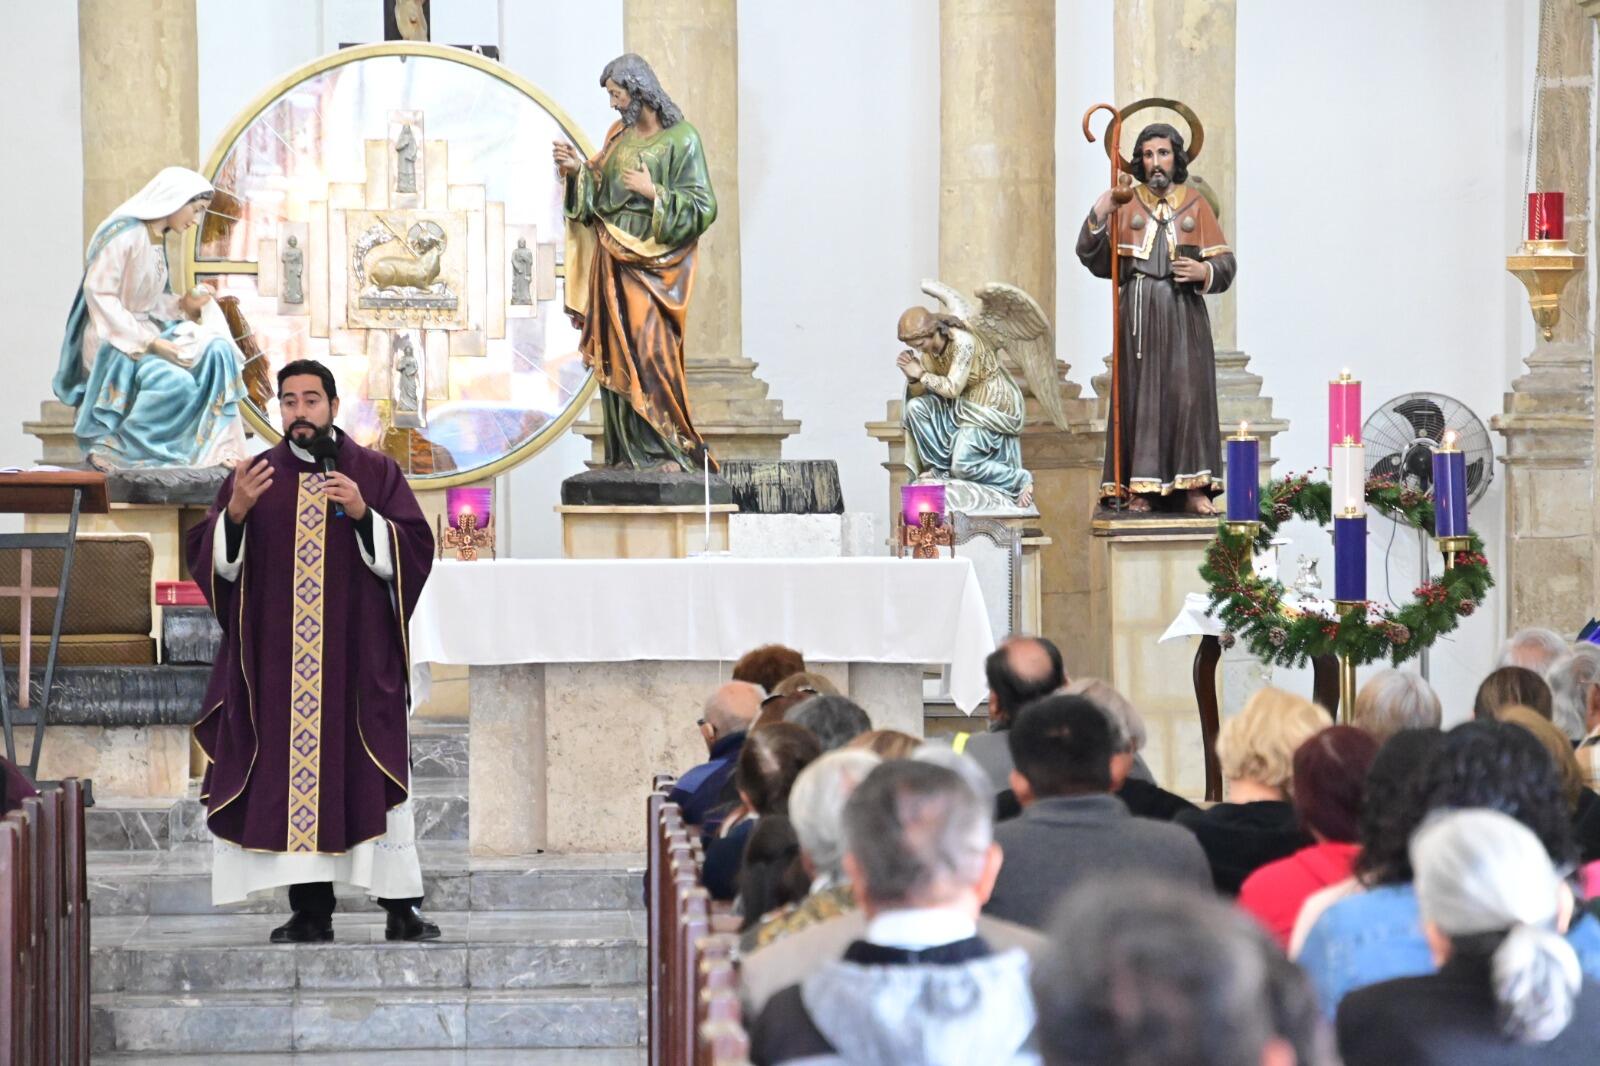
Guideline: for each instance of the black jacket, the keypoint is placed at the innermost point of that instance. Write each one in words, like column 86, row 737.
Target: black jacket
column 1240, row 838
column 1449, row 1019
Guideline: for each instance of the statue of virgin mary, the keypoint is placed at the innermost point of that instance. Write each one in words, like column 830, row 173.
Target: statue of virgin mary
column 155, row 377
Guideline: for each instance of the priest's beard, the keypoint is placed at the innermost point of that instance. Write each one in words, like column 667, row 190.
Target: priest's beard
column 305, row 433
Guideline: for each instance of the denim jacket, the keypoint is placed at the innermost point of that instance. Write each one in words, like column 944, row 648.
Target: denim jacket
column 1376, row 935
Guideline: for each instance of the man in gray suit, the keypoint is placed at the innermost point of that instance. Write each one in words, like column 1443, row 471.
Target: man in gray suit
column 1072, row 827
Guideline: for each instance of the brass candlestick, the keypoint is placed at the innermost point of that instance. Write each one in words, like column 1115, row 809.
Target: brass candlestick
column 1451, row 547
column 467, row 539
column 1347, row 667
column 1545, row 268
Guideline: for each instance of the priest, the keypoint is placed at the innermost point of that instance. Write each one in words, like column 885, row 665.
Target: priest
column 312, row 558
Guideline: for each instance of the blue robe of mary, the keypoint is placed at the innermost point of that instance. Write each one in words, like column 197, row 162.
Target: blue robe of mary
column 136, row 408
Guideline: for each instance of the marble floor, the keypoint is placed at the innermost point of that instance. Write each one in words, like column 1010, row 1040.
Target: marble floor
column 488, row 1057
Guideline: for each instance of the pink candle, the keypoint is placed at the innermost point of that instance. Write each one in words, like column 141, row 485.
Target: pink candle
column 1547, row 216
column 1344, row 412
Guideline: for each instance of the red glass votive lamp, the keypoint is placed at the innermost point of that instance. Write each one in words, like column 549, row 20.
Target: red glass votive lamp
column 477, row 502
column 917, row 500
column 1547, row 216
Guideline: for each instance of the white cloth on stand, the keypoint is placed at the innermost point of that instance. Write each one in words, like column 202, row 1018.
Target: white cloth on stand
column 842, row 610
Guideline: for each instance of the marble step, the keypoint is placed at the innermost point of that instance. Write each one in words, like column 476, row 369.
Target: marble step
column 403, row 1020
column 504, row 950
column 439, row 749
column 436, row 1057
column 115, row 824
column 178, row 882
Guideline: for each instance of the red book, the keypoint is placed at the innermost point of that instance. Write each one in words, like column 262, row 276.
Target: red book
column 179, row 594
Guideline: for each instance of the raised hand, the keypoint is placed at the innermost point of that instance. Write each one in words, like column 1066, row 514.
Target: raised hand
column 249, row 486
column 347, row 494
column 567, row 159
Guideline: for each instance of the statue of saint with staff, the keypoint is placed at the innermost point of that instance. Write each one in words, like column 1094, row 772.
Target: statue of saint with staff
column 1165, row 252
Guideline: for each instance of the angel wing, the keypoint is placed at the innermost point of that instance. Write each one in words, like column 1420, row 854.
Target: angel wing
column 1010, row 319
column 954, row 303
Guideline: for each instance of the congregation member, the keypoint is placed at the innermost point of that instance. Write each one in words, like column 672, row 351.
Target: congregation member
column 767, row 665
column 770, row 876
column 1392, row 700
column 1257, row 824
column 1138, row 792
column 922, row 986
column 1532, row 648
column 790, row 693
column 887, row 743
column 1019, row 671
column 1575, row 691
column 1377, row 935
column 312, row 558
column 834, row 720
column 816, row 809
column 1511, row 686
column 1509, row 989
column 1072, row 828
column 1581, row 800
column 772, row 757
column 1385, row 824
column 1330, row 773
column 724, row 723
column 1152, row 973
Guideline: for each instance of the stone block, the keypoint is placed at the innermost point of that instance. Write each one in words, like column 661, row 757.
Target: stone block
column 506, row 778
column 109, row 828
column 1549, row 501
column 189, row 1025
column 149, row 968
column 440, row 817
column 383, row 966
column 129, row 762
column 189, row 635
column 555, row 1019
column 120, row 695
column 541, row 890
column 361, row 1021
column 438, row 754
column 575, row 964
column 799, row 536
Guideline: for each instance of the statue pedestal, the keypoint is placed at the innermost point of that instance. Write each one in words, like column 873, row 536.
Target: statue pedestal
column 1140, row 571
column 618, row 513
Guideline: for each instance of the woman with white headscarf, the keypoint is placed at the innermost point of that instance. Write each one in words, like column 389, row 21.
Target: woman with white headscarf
column 155, row 376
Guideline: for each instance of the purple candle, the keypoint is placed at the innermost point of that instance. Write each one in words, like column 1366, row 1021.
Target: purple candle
column 1244, row 476
column 1350, row 557
column 915, row 500
column 1449, row 490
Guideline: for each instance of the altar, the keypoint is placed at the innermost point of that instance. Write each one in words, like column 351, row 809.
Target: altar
column 586, row 675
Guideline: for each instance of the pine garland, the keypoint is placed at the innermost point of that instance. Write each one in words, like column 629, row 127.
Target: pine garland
column 1253, row 610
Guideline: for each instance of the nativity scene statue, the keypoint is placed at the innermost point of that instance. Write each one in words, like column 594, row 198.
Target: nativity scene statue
column 155, row 377
column 963, row 412
column 635, row 213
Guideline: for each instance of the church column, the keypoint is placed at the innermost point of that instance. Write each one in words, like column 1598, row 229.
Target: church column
column 693, row 45
column 141, row 102
column 1184, row 50
column 1548, row 423
column 997, row 210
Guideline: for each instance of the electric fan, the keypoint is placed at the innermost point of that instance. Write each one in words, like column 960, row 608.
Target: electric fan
column 1400, row 438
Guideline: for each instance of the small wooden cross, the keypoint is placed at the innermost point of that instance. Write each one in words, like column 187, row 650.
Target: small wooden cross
column 26, row 592
column 927, row 537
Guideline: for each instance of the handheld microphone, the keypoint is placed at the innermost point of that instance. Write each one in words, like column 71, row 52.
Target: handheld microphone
column 326, row 448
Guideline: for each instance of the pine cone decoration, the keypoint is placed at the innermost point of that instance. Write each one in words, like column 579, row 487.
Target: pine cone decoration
column 1277, row 635
column 1466, row 607
column 1282, row 512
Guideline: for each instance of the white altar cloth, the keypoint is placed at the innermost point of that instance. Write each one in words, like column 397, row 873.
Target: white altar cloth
column 850, row 610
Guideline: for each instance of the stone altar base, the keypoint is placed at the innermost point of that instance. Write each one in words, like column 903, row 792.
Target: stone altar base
column 1140, row 571
column 562, row 753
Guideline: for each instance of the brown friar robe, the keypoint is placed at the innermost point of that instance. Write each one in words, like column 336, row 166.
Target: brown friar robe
column 1170, row 436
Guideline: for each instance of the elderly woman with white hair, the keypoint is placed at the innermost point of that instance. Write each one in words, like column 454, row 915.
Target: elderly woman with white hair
column 816, row 809
column 1138, row 792
column 1534, row 648
column 1393, row 700
column 1575, row 695
column 1509, row 988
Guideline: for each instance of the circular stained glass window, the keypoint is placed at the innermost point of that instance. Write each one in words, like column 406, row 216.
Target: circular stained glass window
column 392, row 211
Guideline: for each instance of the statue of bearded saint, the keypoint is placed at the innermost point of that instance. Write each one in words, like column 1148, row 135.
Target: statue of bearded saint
column 963, row 413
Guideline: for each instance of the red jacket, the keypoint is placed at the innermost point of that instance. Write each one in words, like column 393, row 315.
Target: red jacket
column 1276, row 892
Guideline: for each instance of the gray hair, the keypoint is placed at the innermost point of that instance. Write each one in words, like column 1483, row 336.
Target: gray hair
column 835, row 720
column 965, row 766
column 1393, row 700
column 1127, row 725
column 1146, row 971
column 917, row 831
column 1570, row 680
column 733, row 707
column 1479, row 874
column 633, row 74
column 816, row 805
column 1534, row 648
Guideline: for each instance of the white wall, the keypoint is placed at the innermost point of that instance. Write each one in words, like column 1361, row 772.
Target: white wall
column 42, row 182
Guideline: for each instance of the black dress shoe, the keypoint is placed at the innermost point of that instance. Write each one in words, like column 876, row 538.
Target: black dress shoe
column 409, row 924
column 304, row 928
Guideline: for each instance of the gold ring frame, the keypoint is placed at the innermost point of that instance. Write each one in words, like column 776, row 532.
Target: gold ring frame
column 191, row 264
column 1197, row 132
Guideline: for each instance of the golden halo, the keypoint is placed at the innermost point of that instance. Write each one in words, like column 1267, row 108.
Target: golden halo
column 1197, row 132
